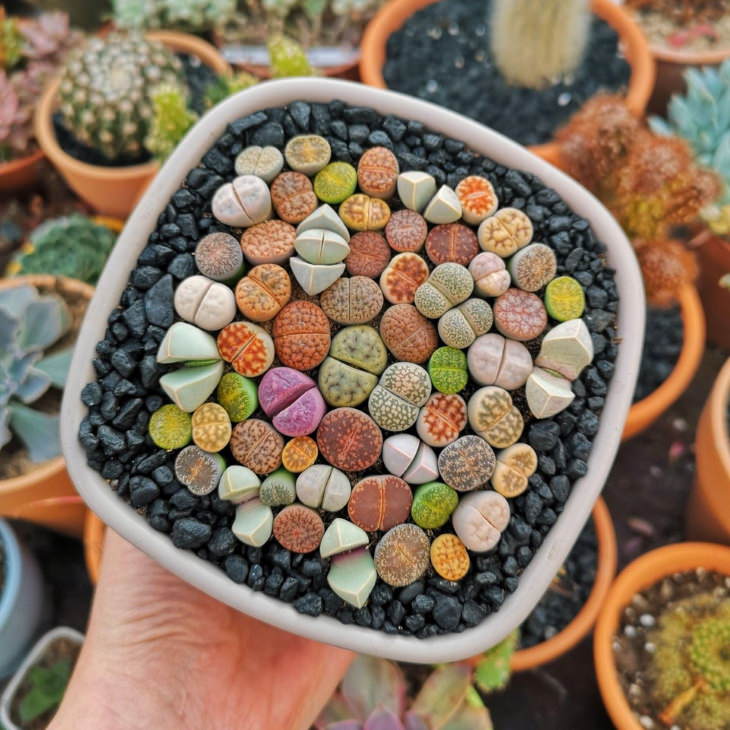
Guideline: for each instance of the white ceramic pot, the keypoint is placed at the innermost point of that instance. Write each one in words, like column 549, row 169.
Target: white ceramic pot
column 210, row 579
column 6, row 701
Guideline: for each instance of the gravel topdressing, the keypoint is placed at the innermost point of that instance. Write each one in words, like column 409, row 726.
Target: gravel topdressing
column 442, row 55
column 126, row 391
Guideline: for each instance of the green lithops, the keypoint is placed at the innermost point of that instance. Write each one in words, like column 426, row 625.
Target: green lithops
column 565, row 299
column 237, row 395
column 170, row 427
column 433, row 504
column 447, row 368
column 335, row 182
column 361, row 347
column 278, row 489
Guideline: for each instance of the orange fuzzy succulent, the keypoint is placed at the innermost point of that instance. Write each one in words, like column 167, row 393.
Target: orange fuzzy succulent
column 666, row 266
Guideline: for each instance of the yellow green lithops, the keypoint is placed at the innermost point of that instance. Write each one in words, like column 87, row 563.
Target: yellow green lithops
column 208, row 304
column 336, row 182
column 185, row 343
column 352, row 576
column 211, row 427
column 238, row 484
column 307, row 153
column 493, row 416
column 533, row 266
column 199, row 470
column 565, row 299
column 447, row 368
column 480, row 519
column 395, row 402
column 323, row 487
column 253, row 523
column 415, row 189
column 444, row 207
column 189, row 387
column 505, row 232
column 433, row 504
column 278, row 489
column 237, row 394
column 460, row 326
column 342, row 537
column 408, row 457
column 263, row 162
column 243, row 202
column 515, row 465
column 448, row 284
column 170, row 428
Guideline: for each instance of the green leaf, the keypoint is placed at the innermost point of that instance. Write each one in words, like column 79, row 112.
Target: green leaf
column 47, row 686
column 39, row 432
column 468, row 717
column 493, row 671
column 442, row 694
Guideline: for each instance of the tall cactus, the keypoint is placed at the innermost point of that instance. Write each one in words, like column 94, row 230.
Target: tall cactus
column 535, row 42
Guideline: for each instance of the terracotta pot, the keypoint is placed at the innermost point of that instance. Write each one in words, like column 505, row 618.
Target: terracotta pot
column 94, row 531
column 708, row 510
column 20, row 173
column 113, row 191
column 646, row 411
column 395, row 13
column 714, row 258
column 638, row 575
column 33, row 496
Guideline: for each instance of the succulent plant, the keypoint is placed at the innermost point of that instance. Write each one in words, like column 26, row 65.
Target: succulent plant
column 666, row 266
column 171, row 119
column 683, row 11
column 31, row 324
column 73, row 246
column 226, row 85
column 106, row 90
column 287, row 58
column 194, row 16
column 48, row 37
column 46, row 686
column 11, row 41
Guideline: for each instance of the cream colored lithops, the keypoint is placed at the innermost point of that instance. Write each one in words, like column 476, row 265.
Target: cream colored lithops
column 415, row 189
column 243, row 202
column 504, row 233
column 211, row 427
column 206, row 303
column 320, row 246
column 477, row 197
column 480, row 519
column 190, row 387
column 395, row 402
column 315, row 278
column 323, row 486
column 566, row 349
column 238, row 484
column 342, row 537
column 264, row 162
column 495, row 360
column 324, row 218
column 460, row 326
column 352, row 576
column 547, row 394
column 493, row 416
column 307, row 153
column 253, row 523
column 448, row 284
column 533, row 267
column 444, row 207
column 198, row 470
column 490, row 274
column 184, row 342
column 402, row 555
column 352, row 300
column 515, row 465
column 409, row 458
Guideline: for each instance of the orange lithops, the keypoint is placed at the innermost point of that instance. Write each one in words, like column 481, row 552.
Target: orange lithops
column 301, row 335
column 248, row 347
column 377, row 172
column 262, row 293
column 299, row 454
column 270, row 242
column 360, row 212
column 402, row 276
column 449, row 557
column 477, row 197
column 211, row 427
column 293, row 196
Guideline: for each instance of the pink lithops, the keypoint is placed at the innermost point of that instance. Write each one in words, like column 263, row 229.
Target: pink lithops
column 270, row 242
column 369, row 254
column 402, row 276
column 494, row 360
column 505, row 232
column 442, row 419
column 490, row 274
column 292, row 400
column 451, row 242
column 520, row 315
column 406, row 230
column 480, row 519
column 477, row 197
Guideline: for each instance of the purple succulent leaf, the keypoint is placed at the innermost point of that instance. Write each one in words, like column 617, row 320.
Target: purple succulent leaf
column 442, row 694
column 345, row 725
column 383, row 719
column 415, row 722
column 373, row 683
column 336, row 710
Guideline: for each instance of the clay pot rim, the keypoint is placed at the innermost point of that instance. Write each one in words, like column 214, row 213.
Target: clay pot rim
column 17, row 163
column 690, row 58
column 643, row 572
column 94, row 531
column 718, row 405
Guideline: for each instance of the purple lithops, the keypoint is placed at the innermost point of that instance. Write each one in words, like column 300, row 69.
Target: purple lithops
column 292, row 400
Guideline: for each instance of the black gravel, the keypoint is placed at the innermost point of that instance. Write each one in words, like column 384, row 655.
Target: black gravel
column 132, row 464
column 662, row 345
column 442, row 55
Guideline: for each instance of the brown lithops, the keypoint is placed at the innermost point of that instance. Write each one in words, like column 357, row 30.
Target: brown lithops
column 218, row 256
column 505, row 232
column 380, row 502
column 270, row 242
column 301, row 335
column 377, row 172
column 402, row 555
column 293, row 196
column 449, row 557
column 248, row 347
column 442, row 419
column 298, row 528
column 515, row 466
column 369, row 254
column 361, row 212
column 262, row 293
column 353, row 300
column 533, row 267
column 299, row 454
column 257, row 445
column 200, row 471
column 493, row 416
column 211, row 427
column 408, row 334
column 402, row 276
column 349, row 439
column 452, row 242
column 406, row 230
column 520, row 315
column 477, row 197
column 467, row 463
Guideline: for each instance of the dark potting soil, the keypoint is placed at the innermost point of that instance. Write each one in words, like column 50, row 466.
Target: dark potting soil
column 197, row 77
column 126, row 390
column 441, row 54
column 662, row 345
column 567, row 593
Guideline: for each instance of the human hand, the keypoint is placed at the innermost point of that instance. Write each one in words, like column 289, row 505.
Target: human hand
column 161, row 655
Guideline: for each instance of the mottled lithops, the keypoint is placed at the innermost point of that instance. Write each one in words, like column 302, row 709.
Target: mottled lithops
column 480, row 519
column 270, row 242
column 467, row 463
column 565, row 299
column 314, row 278
column 547, row 394
column 402, row 555
column 395, row 402
column 449, row 557
column 360, row 346
column 291, row 399
column 433, row 504
column 520, row 315
column 256, row 445
column 495, row 360
column 460, row 326
column 184, row 342
column 442, row 419
column 444, row 207
column 190, row 387
column 448, row 284
column 342, row 537
column 380, row 502
column 243, row 202
column 278, row 489
column 323, row 486
column 478, row 199
column 301, row 335
column 263, row 162
column 298, row 528
column 206, row 303
column 408, row 457
column 447, row 370
column 353, row 576
column 299, row 454
column 402, row 277
column 566, row 349
column 493, row 416
column 352, row 300
column 262, row 293
column 505, row 232
column 199, row 470
column 238, row 484
column 320, row 246
column 533, row 266
column 362, row 212
column 415, row 189
column 170, row 427
column 336, row 182
column 490, row 274
column 349, row 439
column 406, row 230
column 293, row 197
column 515, row 466
column 408, row 334
column 218, row 256
column 369, row 254
column 344, row 385
column 307, row 153
column 253, row 523
column 451, row 242
column 325, row 218
column 211, row 427
column 377, row 172
column 248, row 347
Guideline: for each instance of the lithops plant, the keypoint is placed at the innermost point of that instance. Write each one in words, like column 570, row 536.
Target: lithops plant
column 292, row 196
column 349, row 439
column 278, row 489
column 268, row 242
column 495, row 360
column 369, row 254
column 335, row 182
column 377, row 172
column 315, row 278
column 490, row 274
column 566, row 349
column 433, row 504
column 448, row 284
column 190, row 387
column 478, row 199
column 320, row 246
column 547, row 394
column 406, row 231
column 451, row 242
column 301, row 335
column 505, row 232
column 395, row 401
column 243, row 202
column 408, row 334
column 480, row 519
column 237, row 395
column 515, row 465
column 248, row 347
column 408, row 457
column 208, row 304
column 218, row 256
column 362, row 212
column 416, row 189
column 520, row 315
column 352, row 300
column 257, row 445
column 211, row 427
column 292, row 400
column 321, row 486
column 447, row 368
column 262, row 293
column 493, row 416
column 264, row 162
column 199, row 470
column 253, row 523
column 402, row 276
column 533, row 267
column 449, row 557
column 564, row 299
column 444, row 207
column 467, row 463
column 442, row 418
column 298, row 528
column 307, row 153
column 460, row 326
column 380, row 502
column 402, row 555
column 238, row 484
column 170, row 427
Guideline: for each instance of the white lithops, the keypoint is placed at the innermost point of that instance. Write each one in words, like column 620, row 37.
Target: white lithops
column 323, row 486
column 444, row 207
column 480, row 519
column 408, row 457
column 238, row 484
column 352, row 576
column 415, row 189
column 189, row 388
column 566, row 349
column 184, row 342
column 253, row 523
column 315, row 278
column 324, row 218
column 495, row 360
column 342, row 536
column 320, row 246
column 547, row 394
column 264, row 162
column 243, row 202
column 208, row 304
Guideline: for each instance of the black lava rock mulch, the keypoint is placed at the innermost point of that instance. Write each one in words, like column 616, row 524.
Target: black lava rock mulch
column 662, row 345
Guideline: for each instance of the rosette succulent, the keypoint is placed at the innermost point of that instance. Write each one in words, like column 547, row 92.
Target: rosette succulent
column 194, row 16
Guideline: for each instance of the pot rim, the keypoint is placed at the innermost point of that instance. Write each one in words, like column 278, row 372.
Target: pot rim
column 11, row 166
column 719, row 404
column 9, row 590
column 206, row 577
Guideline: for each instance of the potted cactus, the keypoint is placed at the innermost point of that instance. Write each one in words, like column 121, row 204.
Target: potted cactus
column 190, row 16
